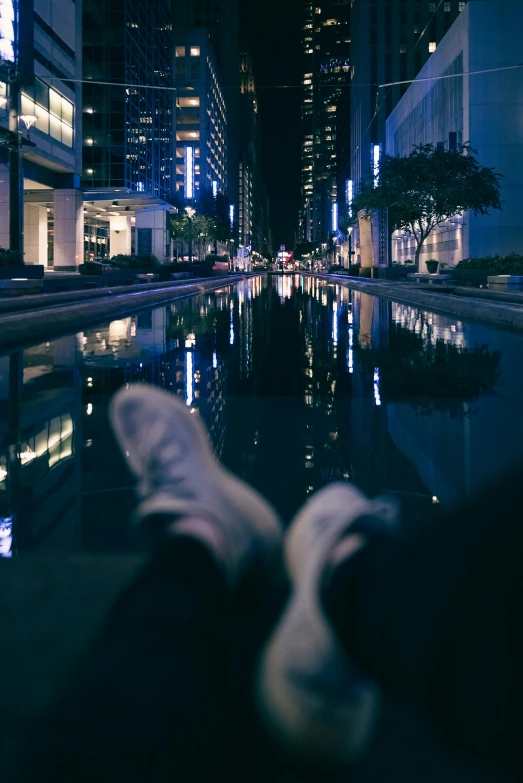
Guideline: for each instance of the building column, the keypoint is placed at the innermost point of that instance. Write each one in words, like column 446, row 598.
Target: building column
column 68, row 230
column 4, row 206
column 35, row 234
column 120, row 235
column 152, row 233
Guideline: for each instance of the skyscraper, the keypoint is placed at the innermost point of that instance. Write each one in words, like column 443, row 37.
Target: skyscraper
column 391, row 41
column 221, row 19
column 128, row 145
column 326, row 55
column 249, row 137
column 41, row 96
column 201, row 117
column 128, row 131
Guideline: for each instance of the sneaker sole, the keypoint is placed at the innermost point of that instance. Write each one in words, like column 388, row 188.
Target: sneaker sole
column 325, row 730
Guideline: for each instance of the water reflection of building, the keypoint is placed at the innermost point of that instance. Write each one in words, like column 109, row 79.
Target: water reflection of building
column 324, row 309
column 39, row 448
column 428, row 438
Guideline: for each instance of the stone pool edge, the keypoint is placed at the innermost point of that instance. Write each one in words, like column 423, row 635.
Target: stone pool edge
column 26, row 328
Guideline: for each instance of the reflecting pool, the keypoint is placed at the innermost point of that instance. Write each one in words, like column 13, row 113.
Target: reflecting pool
column 300, row 381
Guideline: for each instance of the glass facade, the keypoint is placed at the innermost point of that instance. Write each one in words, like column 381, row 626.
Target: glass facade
column 325, row 51
column 128, row 130
column 54, row 113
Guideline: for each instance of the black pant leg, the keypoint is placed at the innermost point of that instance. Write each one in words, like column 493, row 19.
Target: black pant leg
column 435, row 618
column 146, row 703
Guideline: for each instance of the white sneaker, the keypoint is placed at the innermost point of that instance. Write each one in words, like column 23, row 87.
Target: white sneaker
column 312, row 697
column 169, row 451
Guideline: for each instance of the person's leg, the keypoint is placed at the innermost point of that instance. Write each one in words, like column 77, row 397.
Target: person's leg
column 164, row 685
column 434, row 618
column 148, row 700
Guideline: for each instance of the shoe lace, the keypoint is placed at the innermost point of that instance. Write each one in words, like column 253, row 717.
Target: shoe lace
column 164, row 471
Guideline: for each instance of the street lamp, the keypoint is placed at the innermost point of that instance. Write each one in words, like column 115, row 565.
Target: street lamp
column 190, row 214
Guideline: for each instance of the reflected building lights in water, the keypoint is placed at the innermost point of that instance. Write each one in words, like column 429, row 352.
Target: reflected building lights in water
column 430, row 326
column 6, row 536
column 189, row 378
column 377, row 393
column 350, row 350
column 231, row 331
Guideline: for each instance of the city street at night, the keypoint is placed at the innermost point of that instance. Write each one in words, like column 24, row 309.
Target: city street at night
column 261, row 431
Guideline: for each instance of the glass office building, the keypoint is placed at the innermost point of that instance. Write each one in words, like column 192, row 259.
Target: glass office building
column 127, row 138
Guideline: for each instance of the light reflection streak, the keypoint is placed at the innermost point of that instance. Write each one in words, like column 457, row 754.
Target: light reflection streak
column 377, row 394
column 6, row 536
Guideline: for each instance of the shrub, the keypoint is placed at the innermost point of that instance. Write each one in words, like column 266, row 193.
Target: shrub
column 135, row 262
column 10, row 257
column 496, row 265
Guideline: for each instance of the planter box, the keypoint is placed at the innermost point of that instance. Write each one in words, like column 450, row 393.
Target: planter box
column 473, row 277
column 395, row 272
column 29, row 271
column 93, row 268
column 505, row 283
column 15, row 287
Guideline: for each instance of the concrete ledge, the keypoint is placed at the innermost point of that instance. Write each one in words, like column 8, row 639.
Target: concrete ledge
column 82, row 295
column 28, row 328
column 437, row 279
column 503, row 316
column 20, row 286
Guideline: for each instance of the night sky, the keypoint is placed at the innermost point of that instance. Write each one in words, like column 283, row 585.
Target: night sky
column 273, row 30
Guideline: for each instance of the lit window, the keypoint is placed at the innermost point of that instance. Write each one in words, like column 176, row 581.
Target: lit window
column 462, row 6
column 180, row 51
column 187, row 135
column 195, row 51
column 432, row 46
column 185, row 102
column 447, row 8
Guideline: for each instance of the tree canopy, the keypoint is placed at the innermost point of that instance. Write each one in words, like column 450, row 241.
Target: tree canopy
column 209, row 224
column 427, row 187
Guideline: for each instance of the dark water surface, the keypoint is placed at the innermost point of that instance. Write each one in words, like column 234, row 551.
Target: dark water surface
column 301, row 382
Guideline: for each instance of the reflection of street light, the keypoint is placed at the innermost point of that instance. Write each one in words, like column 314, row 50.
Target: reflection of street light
column 232, row 253
column 190, row 214
column 350, row 245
